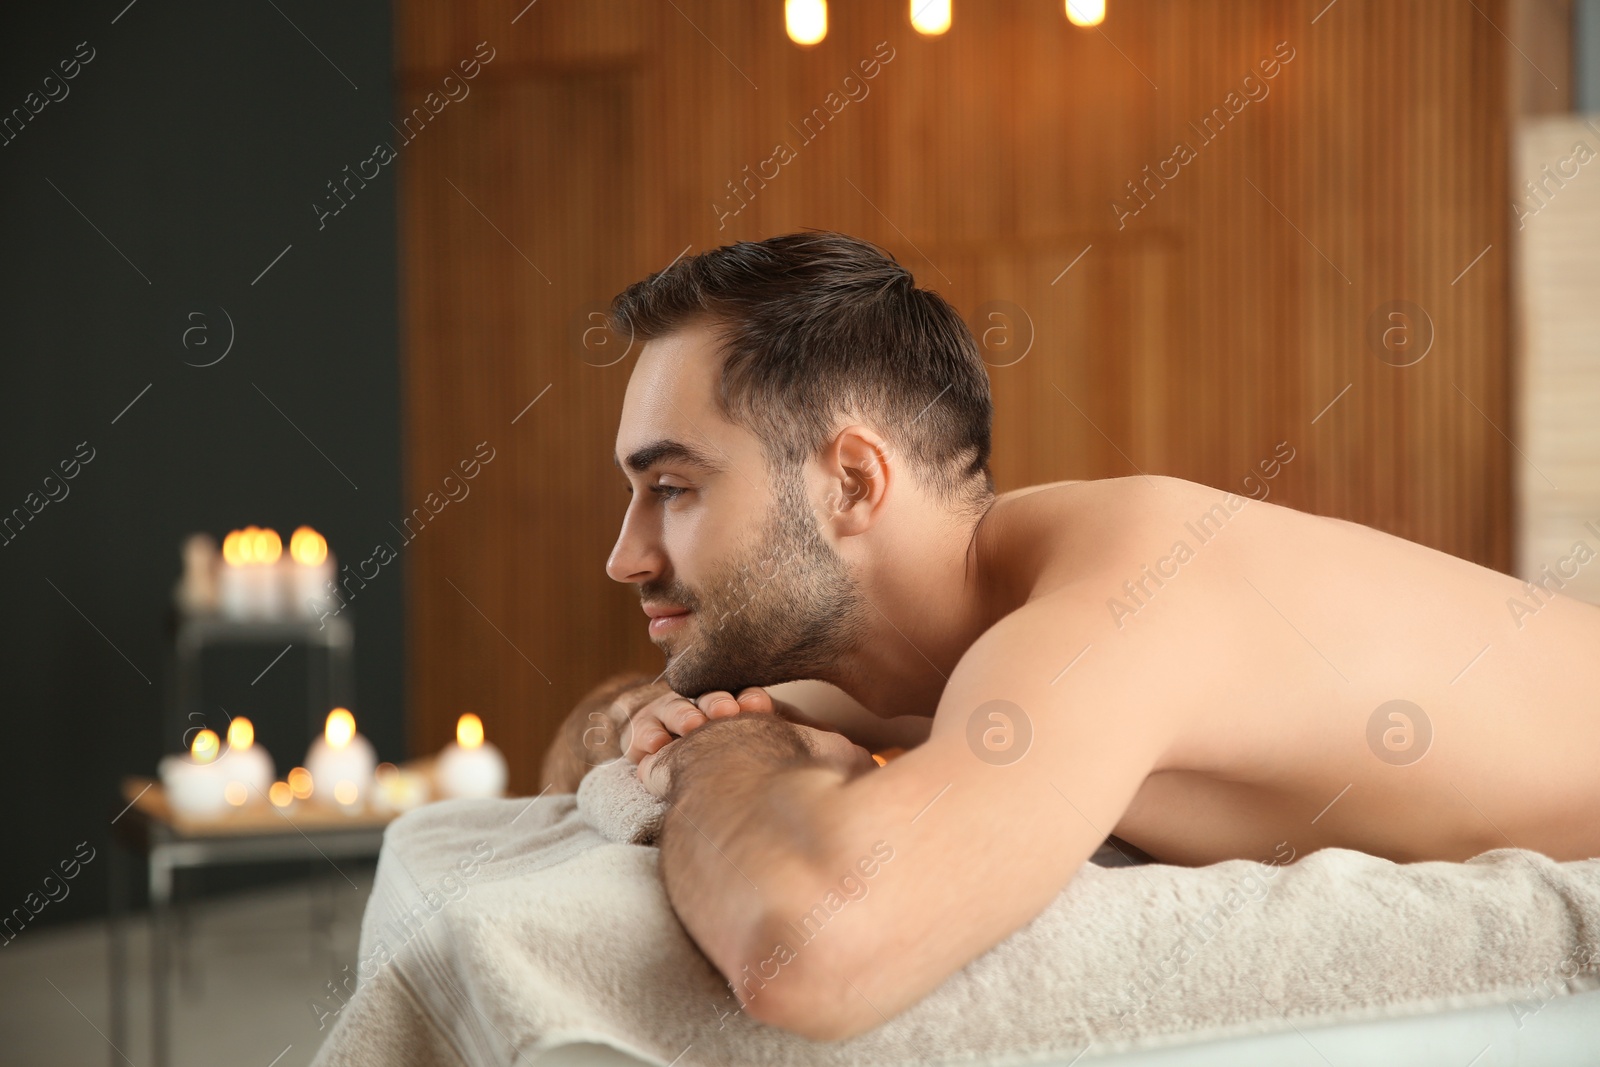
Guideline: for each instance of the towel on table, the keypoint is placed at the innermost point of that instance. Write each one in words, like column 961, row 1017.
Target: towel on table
column 498, row 930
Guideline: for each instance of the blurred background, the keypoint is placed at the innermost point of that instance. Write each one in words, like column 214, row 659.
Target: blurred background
column 284, row 265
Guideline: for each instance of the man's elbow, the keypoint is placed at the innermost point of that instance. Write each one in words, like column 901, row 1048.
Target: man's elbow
column 806, row 987
column 817, row 1014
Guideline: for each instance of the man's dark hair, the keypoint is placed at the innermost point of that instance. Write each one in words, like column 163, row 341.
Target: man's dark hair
column 818, row 326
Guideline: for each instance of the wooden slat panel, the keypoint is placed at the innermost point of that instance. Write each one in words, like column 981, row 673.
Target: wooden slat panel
column 504, row 249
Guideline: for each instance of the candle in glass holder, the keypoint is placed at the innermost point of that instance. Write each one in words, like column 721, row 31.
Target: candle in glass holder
column 309, row 572
column 340, row 762
column 470, row 766
column 246, row 763
column 195, row 786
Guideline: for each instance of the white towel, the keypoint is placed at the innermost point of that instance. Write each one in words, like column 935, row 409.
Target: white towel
column 498, row 930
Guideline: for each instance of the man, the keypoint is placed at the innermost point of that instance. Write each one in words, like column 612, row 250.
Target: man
column 806, row 440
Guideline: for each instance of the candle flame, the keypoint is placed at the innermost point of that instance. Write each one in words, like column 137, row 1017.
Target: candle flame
column 233, row 549
column 300, row 782
column 469, row 731
column 236, row 793
column 345, row 793
column 253, row 544
column 267, row 547
column 341, row 727
column 308, row 547
column 204, row 747
column 281, row 794
column 247, row 544
column 241, row 734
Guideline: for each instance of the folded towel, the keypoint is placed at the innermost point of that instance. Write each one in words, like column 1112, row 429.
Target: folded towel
column 498, row 930
column 617, row 804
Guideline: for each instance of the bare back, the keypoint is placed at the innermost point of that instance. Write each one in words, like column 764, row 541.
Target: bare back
column 1339, row 686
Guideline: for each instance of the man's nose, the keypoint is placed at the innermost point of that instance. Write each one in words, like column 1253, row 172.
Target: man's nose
column 635, row 558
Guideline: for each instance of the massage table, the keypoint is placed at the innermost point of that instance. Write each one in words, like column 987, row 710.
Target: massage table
column 537, row 931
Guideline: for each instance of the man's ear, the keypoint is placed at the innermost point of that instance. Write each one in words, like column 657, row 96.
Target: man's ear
column 860, row 472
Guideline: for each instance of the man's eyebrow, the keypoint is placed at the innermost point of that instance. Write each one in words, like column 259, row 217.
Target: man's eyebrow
column 642, row 459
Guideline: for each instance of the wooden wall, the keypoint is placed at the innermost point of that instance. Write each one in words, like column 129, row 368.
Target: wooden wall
column 1231, row 313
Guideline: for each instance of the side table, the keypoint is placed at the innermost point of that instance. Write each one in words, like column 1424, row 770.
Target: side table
column 256, row 833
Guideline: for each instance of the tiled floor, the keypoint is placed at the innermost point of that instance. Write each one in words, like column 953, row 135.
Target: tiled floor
column 255, row 964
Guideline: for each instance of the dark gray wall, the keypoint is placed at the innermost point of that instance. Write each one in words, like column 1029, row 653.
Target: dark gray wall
column 185, row 156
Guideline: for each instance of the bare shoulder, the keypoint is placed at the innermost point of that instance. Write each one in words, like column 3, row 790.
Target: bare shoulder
column 1060, row 658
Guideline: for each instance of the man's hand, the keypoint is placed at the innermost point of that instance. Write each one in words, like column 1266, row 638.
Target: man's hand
column 670, row 716
column 826, row 747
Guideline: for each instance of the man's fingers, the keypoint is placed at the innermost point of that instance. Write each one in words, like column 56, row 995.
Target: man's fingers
column 755, row 698
column 718, row 704
column 682, row 715
column 648, row 736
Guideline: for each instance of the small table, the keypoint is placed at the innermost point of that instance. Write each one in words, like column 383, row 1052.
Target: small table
column 256, row 833
column 196, row 633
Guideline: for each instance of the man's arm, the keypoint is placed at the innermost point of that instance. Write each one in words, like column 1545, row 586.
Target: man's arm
column 834, row 901
column 729, row 842
column 825, row 706
column 595, row 730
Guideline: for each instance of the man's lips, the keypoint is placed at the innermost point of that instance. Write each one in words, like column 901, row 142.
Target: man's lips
column 665, row 617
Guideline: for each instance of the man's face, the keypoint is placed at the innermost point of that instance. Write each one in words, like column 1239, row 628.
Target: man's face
column 710, row 533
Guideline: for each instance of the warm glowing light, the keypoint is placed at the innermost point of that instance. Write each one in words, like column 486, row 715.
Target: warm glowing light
column 879, row 760
column 469, row 731
column 806, row 20
column 267, row 547
column 236, row 793
column 241, row 735
column 205, row 746
column 253, row 544
column 1086, row 12
column 931, row 17
column 300, row 782
column 280, row 794
column 345, row 793
column 384, row 770
column 308, row 547
column 341, row 727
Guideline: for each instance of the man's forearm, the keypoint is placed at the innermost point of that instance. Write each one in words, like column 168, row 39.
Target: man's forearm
column 745, row 827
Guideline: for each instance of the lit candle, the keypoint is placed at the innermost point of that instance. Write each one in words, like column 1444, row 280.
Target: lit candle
column 309, row 573
column 194, row 784
column 245, row 764
column 197, row 589
column 398, row 790
column 340, row 762
column 470, row 766
column 249, row 586
column 233, row 584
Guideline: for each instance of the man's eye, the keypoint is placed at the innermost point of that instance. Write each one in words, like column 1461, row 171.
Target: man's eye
column 668, row 492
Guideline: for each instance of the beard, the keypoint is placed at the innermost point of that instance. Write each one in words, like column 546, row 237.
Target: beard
column 785, row 608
